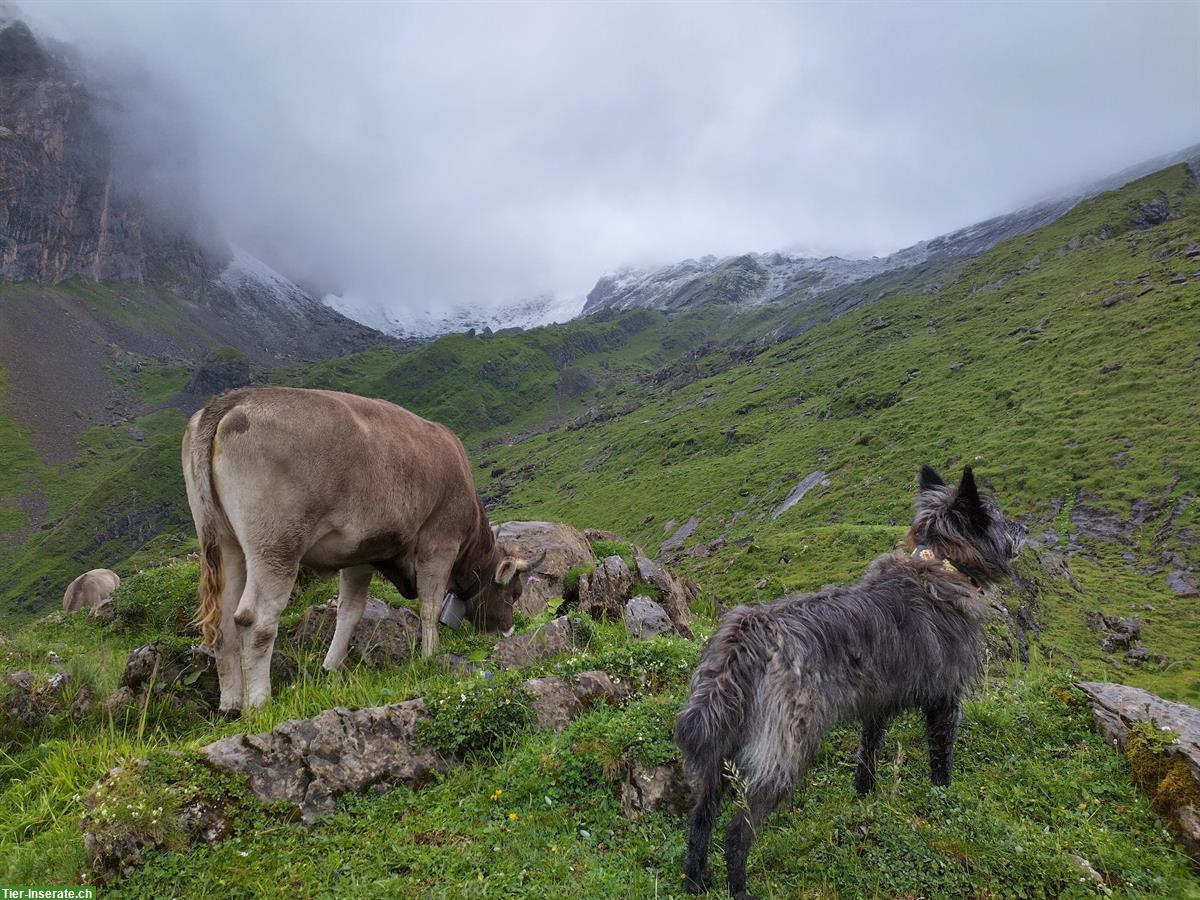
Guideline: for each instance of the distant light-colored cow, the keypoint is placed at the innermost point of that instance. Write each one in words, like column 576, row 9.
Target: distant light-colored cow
column 90, row 590
column 279, row 477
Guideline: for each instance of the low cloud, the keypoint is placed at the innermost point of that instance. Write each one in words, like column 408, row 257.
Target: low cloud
column 421, row 156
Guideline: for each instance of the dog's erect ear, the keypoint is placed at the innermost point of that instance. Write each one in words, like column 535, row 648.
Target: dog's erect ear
column 968, row 497
column 930, row 479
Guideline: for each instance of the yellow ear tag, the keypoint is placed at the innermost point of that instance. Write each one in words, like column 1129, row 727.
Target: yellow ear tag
column 928, row 555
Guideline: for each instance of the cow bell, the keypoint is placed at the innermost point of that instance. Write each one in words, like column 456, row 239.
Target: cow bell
column 453, row 610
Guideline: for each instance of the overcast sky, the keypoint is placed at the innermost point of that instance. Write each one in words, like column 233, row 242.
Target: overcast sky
column 424, row 155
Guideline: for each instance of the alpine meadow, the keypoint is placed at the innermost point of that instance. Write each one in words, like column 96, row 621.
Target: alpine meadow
column 700, row 436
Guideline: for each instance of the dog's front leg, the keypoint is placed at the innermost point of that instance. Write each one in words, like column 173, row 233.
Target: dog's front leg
column 873, row 730
column 941, row 727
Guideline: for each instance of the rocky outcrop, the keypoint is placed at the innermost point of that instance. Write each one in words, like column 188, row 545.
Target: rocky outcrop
column 565, row 547
column 675, row 594
column 603, row 591
column 1167, row 766
column 552, row 639
column 385, row 635
column 311, row 762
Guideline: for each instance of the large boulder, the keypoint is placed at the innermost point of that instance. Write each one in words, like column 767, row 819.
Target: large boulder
column 1169, row 771
column 603, row 591
column 565, row 547
column 555, row 637
column 675, row 595
column 91, row 590
column 385, row 634
column 311, row 762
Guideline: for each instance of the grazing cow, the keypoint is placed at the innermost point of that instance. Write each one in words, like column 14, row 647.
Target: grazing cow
column 90, row 590
column 283, row 477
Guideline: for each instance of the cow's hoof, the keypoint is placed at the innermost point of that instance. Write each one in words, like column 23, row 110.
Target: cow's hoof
column 233, row 712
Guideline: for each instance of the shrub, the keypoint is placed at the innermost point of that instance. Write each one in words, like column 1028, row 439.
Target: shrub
column 475, row 717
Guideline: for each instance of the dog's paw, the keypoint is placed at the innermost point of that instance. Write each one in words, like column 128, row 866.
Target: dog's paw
column 697, row 884
column 864, row 784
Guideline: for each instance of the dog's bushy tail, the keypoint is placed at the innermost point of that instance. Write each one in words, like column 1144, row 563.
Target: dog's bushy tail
column 722, row 693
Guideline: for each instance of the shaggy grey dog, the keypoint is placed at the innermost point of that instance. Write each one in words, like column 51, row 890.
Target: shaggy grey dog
column 776, row 677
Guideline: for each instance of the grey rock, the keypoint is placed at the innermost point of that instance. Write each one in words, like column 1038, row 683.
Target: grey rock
column 603, row 591
column 311, row 762
column 565, row 547
column 1184, row 584
column 385, row 635
column 599, row 687
column 554, row 702
column 676, row 595
column 807, row 483
column 647, row 789
column 137, row 433
column 550, row 640
column 646, row 619
column 675, row 541
column 206, row 822
column 1116, row 707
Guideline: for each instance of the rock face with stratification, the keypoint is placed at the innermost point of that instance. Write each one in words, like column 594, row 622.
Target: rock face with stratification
column 1116, row 708
column 555, row 637
column 312, row 762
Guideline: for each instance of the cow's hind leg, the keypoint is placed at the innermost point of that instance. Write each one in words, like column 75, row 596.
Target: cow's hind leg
column 268, row 589
column 353, row 587
column 229, row 653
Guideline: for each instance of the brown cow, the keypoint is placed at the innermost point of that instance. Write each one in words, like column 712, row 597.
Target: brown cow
column 90, row 590
column 280, row 477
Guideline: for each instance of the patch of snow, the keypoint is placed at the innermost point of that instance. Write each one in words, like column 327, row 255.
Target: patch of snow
column 426, row 324
column 247, row 273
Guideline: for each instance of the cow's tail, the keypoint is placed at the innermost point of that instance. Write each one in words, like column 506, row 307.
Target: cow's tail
column 211, row 521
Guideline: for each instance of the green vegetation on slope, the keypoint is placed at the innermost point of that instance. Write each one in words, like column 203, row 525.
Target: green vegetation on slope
column 1045, row 363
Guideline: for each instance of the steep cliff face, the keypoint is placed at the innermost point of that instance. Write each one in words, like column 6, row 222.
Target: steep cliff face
column 62, row 212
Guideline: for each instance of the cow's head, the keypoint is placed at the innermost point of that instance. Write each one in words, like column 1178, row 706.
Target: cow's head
column 491, row 609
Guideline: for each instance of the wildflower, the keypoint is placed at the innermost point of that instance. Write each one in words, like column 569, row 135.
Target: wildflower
column 512, row 817
column 497, row 794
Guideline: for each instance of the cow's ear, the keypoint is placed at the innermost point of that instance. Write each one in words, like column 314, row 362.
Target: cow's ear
column 507, row 570
column 929, row 479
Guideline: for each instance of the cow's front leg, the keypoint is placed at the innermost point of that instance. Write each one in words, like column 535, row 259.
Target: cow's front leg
column 268, row 590
column 433, row 576
column 353, row 588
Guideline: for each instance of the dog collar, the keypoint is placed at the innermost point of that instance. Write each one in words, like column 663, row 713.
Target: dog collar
column 926, row 554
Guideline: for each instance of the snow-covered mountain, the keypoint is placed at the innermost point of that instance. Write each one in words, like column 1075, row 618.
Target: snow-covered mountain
column 754, row 279
column 426, row 324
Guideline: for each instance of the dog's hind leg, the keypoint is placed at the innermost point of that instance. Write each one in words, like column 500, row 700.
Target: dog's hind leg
column 739, row 834
column 941, row 727
column 873, row 730
column 708, row 785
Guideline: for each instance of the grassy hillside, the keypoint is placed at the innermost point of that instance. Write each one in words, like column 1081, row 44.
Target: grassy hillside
column 1046, row 363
